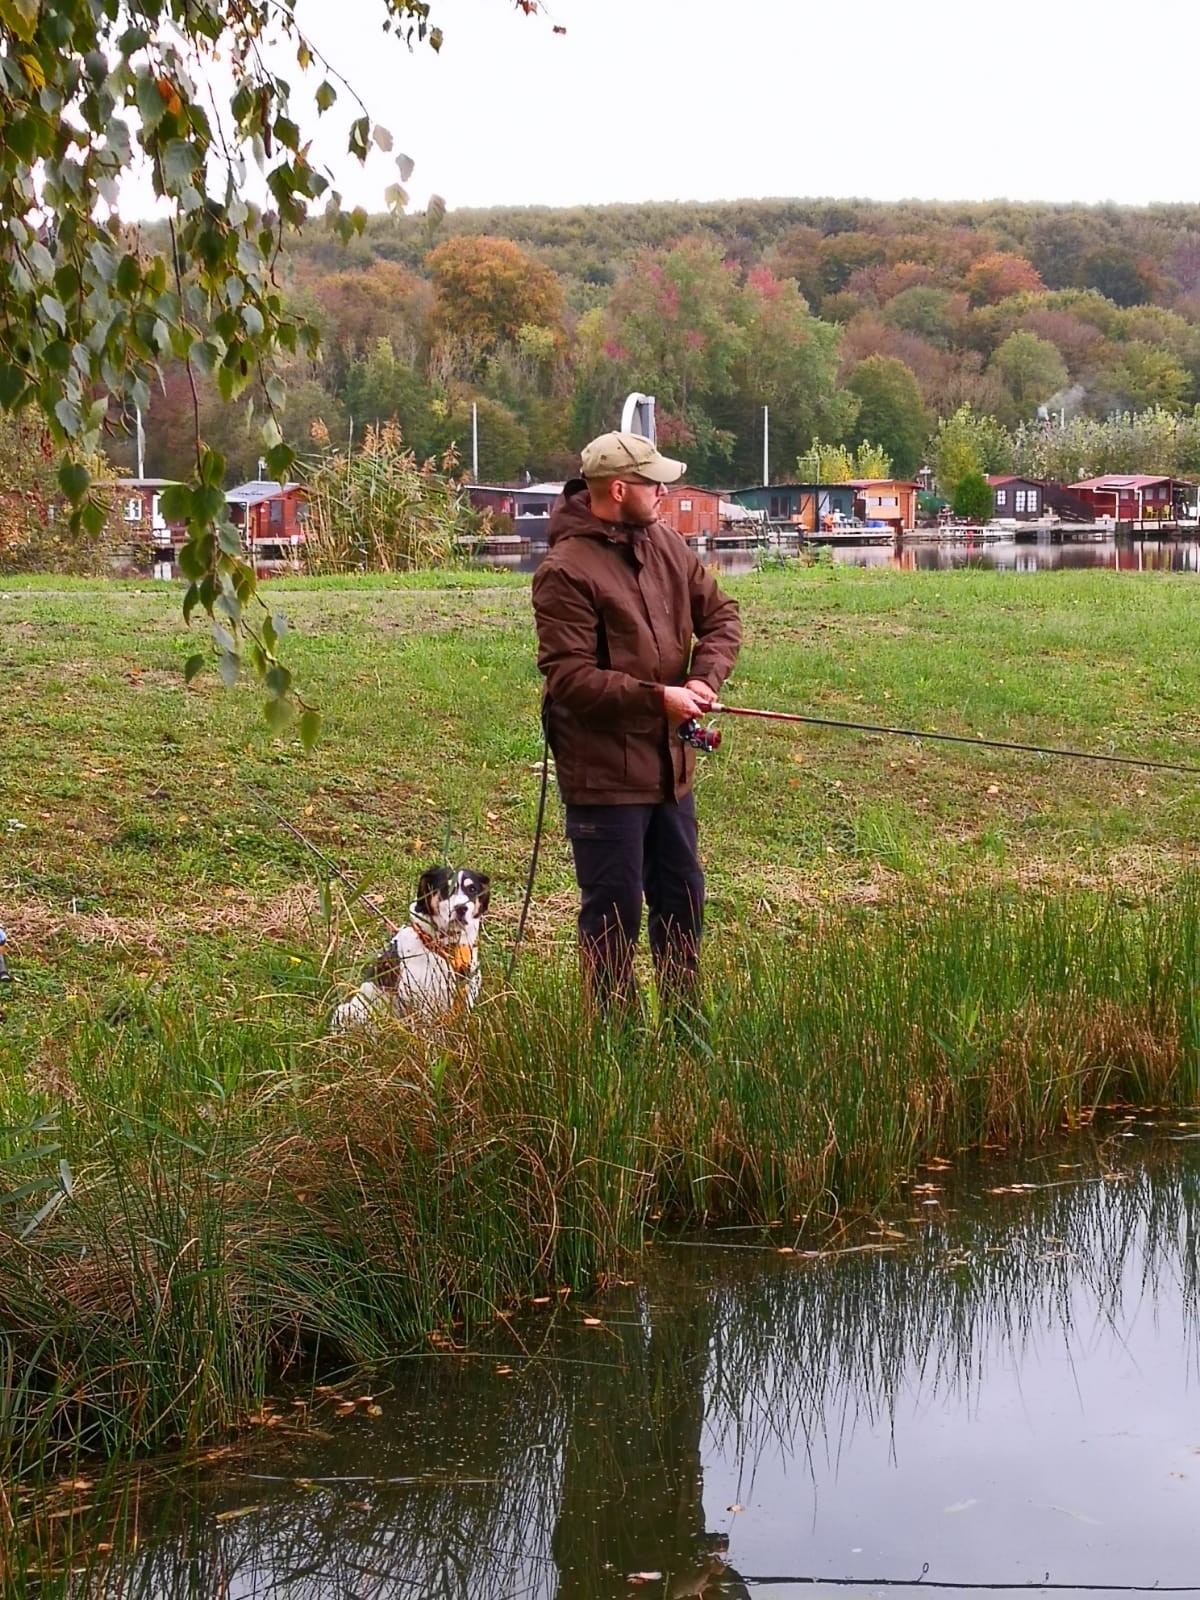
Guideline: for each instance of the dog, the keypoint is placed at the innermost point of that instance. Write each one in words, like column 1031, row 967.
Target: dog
column 429, row 970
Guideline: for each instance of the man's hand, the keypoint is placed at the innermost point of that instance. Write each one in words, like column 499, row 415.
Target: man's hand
column 693, row 700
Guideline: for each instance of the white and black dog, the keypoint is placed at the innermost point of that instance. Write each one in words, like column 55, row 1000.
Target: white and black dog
column 429, row 969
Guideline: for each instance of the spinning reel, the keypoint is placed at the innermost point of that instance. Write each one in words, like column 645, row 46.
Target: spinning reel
column 699, row 737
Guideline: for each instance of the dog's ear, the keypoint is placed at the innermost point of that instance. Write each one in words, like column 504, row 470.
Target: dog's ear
column 431, row 887
column 483, row 890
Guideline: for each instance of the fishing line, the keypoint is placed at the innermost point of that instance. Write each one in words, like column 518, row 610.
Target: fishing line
column 958, row 738
column 329, row 865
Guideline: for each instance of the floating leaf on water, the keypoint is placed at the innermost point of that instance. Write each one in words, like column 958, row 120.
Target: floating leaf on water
column 644, row 1577
column 735, row 1508
column 239, row 1511
column 592, row 1322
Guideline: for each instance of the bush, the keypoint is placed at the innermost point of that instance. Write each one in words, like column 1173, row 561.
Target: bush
column 973, row 498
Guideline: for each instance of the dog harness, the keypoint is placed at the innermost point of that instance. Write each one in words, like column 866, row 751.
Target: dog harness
column 460, row 958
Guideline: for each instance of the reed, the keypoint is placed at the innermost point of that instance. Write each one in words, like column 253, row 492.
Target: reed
column 235, row 1202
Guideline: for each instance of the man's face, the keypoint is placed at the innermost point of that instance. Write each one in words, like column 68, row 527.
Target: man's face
column 639, row 499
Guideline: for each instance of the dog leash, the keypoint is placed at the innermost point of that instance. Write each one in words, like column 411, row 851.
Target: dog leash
column 533, row 860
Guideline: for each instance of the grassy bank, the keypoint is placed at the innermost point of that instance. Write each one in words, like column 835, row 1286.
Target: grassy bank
column 913, row 949
column 200, row 1205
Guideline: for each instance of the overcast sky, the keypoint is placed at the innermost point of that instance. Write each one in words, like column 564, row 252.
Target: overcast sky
column 1085, row 100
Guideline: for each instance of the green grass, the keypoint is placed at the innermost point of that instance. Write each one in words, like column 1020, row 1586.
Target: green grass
column 913, row 949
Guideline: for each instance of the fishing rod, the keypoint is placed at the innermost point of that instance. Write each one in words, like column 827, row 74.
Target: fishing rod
column 329, row 865
column 709, row 739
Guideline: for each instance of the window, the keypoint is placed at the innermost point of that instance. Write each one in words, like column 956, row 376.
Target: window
column 889, row 500
column 276, row 511
column 1001, row 498
column 1020, row 501
column 133, row 509
column 685, row 505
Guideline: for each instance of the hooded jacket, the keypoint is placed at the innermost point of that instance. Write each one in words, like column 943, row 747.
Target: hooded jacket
column 618, row 610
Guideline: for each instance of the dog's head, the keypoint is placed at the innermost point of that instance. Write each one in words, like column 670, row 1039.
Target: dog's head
column 454, row 900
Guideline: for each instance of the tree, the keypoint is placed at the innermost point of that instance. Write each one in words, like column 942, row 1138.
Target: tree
column 973, row 498
column 88, row 312
column 1113, row 271
column 675, row 332
column 787, row 361
column 1031, row 367
column 833, row 463
column 381, row 388
column 1139, row 376
column 890, row 411
column 968, row 443
column 486, row 291
column 999, row 276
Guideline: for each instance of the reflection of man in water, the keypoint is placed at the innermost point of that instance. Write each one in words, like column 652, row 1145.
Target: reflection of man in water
column 632, row 1478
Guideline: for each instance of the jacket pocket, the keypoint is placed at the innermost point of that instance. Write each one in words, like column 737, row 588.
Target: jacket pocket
column 604, row 763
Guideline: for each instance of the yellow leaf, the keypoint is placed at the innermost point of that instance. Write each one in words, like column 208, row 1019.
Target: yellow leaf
column 33, row 71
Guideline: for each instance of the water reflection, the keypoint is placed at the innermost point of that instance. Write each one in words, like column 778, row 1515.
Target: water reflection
column 917, row 555
column 998, row 1384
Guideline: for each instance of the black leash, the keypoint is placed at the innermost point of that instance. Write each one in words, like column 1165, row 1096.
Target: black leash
column 958, row 738
column 533, row 860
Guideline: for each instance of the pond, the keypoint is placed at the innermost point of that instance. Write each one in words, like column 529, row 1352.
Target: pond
column 927, row 555
column 994, row 1387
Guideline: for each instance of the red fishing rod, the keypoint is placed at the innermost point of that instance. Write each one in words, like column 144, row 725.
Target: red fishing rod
column 709, row 738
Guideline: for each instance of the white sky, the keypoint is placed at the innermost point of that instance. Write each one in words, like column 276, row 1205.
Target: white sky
column 1085, row 100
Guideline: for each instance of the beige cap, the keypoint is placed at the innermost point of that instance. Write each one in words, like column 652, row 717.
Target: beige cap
column 613, row 455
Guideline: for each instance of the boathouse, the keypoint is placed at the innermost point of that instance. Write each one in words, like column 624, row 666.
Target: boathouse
column 692, row 512
column 1016, row 499
column 270, row 517
column 1134, row 497
column 889, row 500
column 805, row 505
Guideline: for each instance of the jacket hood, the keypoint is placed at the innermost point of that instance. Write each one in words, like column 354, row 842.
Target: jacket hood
column 573, row 517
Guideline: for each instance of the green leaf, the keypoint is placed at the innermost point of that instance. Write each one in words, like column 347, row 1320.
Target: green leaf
column 73, row 480
column 229, row 540
column 326, row 95
column 176, row 503
column 208, row 503
column 228, row 666
column 193, row 666
column 279, row 681
column 309, row 728
column 180, row 159
column 53, row 308
column 278, row 714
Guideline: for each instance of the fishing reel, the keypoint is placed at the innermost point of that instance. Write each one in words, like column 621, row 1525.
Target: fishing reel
column 699, row 737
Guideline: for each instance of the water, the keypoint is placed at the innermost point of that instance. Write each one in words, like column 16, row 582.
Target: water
column 990, row 1389
column 1000, row 555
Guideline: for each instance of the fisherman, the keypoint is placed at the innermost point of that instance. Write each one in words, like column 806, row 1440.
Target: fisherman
column 635, row 639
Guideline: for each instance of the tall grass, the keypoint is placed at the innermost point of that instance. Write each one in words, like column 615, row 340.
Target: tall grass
column 245, row 1203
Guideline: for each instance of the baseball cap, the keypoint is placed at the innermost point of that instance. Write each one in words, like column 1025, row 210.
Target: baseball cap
column 612, row 455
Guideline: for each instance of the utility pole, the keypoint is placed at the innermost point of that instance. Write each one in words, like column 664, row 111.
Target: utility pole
column 766, row 446
column 474, row 441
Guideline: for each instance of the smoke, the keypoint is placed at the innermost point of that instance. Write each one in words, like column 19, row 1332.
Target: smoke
column 1068, row 401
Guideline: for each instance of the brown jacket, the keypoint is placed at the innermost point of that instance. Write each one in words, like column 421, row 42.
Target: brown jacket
column 617, row 610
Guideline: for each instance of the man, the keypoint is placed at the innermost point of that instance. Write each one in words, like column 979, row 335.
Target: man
column 634, row 639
